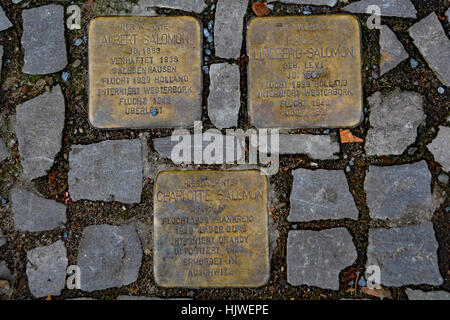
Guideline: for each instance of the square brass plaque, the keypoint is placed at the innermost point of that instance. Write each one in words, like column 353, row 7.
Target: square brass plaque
column 304, row 71
column 145, row 72
column 210, row 229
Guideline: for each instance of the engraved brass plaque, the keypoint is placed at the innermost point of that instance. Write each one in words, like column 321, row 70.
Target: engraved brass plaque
column 304, row 71
column 210, row 229
column 145, row 72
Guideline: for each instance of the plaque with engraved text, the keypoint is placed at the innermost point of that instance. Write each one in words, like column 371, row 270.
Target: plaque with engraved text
column 304, row 71
column 145, row 72
column 210, row 229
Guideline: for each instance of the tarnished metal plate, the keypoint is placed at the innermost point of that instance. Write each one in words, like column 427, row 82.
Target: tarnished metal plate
column 145, row 72
column 210, row 229
column 304, row 71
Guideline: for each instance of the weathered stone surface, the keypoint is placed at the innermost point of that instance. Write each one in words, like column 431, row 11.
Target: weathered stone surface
column 330, row 3
column 39, row 127
column 6, row 275
column 392, row 51
column 321, row 195
column 35, row 214
column 443, row 178
column 405, row 255
column 430, row 295
column 434, row 45
column 2, row 238
column 186, row 5
column 109, row 256
column 315, row 258
column 439, row 147
column 4, row 21
column 4, row 151
column 224, row 98
column 43, row 39
column 447, row 14
column 394, row 119
column 392, row 8
column 321, row 147
column 46, row 269
column 164, row 147
column 400, row 194
column 106, row 171
column 228, row 27
column 1, row 58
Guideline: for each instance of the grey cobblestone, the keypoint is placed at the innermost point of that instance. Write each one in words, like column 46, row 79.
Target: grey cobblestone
column 6, row 275
column 394, row 119
column 109, row 256
column 106, row 171
column 39, row 128
column 228, row 27
column 35, row 214
column 392, row 51
column 434, row 45
column 4, row 151
column 315, row 258
column 392, row 8
column 46, row 269
column 400, row 194
column 4, row 21
column 43, row 40
column 321, row 195
column 427, row 295
column 2, row 238
column 186, row 5
column 440, row 149
column 405, row 255
column 224, row 98
column 164, row 147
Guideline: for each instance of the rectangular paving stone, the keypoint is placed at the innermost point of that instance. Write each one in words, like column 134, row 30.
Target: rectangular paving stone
column 321, row 195
column 392, row 8
column 43, row 40
column 323, row 147
column 109, row 256
column 315, row 258
column 304, row 71
column 211, row 229
column 224, row 98
column 46, row 269
column 405, row 255
column 228, row 25
column 186, row 5
column 144, row 72
column 106, row 171
column 400, row 194
column 233, row 151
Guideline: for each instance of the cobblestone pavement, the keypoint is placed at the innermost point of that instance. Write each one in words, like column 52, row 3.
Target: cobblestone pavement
column 75, row 195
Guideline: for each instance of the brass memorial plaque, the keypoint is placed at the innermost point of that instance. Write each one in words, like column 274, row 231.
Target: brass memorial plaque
column 145, row 72
column 210, row 229
column 304, row 71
